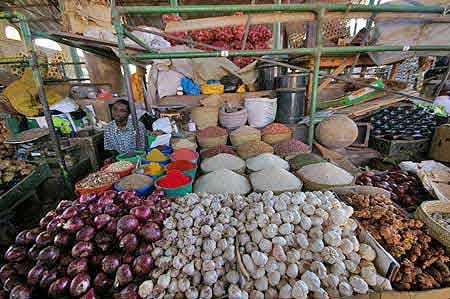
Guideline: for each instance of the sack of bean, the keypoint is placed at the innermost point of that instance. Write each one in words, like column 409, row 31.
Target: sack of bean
column 244, row 134
column 205, row 116
column 215, row 150
column 275, row 133
column 212, row 136
column 289, row 148
column 301, row 160
column 320, row 176
column 253, row 148
column 183, row 143
column 275, row 179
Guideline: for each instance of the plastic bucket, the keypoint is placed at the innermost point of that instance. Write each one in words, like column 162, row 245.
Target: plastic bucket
column 195, row 160
column 123, row 157
column 121, row 173
column 261, row 111
column 191, row 172
column 143, row 191
column 176, row 192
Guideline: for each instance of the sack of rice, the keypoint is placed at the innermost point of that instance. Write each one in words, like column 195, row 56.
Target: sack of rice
column 264, row 161
column 323, row 176
column 289, row 148
column 183, row 143
column 223, row 161
column 205, row 116
column 275, row 133
column 301, row 160
column 212, row 136
column 275, row 179
column 244, row 134
column 215, row 150
column 253, row 148
column 222, row 181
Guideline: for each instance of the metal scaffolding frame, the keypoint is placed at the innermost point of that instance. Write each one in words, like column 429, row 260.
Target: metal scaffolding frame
column 318, row 9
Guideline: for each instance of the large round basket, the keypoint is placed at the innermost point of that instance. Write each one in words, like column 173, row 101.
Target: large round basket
column 206, row 142
column 233, row 120
column 205, row 116
column 435, row 229
column 275, row 138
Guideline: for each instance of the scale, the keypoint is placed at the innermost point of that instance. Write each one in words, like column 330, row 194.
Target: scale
column 30, row 143
column 174, row 113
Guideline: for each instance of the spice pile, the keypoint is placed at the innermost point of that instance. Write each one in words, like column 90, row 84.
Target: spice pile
column 184, row 154
column 174, row 179
column 153, row 168
column 212, row 151
column 290, row 147
column 181, row 165
column 156, row 155
column 264, row 161
column 134, row 182
column 97, row 180
column 214, row 182
column 424, row 263
column 119, row 166
column 406, row 188
column 296, row 245
column 94, row 247
column 275, row 133
column 253, row 148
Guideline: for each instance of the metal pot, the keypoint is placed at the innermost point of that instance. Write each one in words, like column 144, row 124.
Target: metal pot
column 266, row 74
column 299, row 80
column 290, row 105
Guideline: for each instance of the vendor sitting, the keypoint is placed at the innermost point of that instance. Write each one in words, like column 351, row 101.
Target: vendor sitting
column 120, row 136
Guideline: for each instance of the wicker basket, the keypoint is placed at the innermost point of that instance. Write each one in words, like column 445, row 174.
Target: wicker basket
column 205, row 116
column 435, row 229
column 206, row 142
column 232, row 120
column 276, row 138
column 237, row 140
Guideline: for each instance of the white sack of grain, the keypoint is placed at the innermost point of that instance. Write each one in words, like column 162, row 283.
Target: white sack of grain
column 222, row 181
column 266, row 160
column 275, row 179
column 324, row 175
column 223, row 161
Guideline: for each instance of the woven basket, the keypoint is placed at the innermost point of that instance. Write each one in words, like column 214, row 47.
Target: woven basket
column 205, row 116
column 435, row 229
column 206, row 142
column 275, row 138
column 233, row 120
column 237, row 140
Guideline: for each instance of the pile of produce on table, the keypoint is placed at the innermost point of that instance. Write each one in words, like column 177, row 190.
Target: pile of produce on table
column 6, row 150
column 404, row 123
column 94, row 247
column 295, row 245
column 406, row 188
column 11, row 172
column 424, row 263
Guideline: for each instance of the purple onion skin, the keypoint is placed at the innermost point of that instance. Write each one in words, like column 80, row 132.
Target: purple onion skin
column 165, row 203
column 63, row 204
column 44, row 239
column 80, row 284
column 142, row 213
column 127, row 258
column 45, row 221
column 6, row 271
column 15, row 254
column 158, row 217
column 80, row 207
column 20, row 292
column 87, row 198
column 68, row 213
column 32, row 234
column 10, row 284
column 74, row 224
column 127, row 224
column 102, row 281
column 59, row 287
column 123, row 276
column 82, row 249
column 112, row 226
column 145, row 249
column 33, row 252
column 104, row 241
column 55, row 224
column 143, row 265
column 129, row 292
column 90, row 294
column 21, row 238
column 110, row 263
column 49, row 254
column 65, row 260
column 151, row 232
column 95, row 209
column 105, row 200
column 102, row 220
column 85, row 234
column 129, row 242
column 111, row 209
column 77, row 266
column 96, row 260
column 48, row 277
column 62, row 239
column 22, row 268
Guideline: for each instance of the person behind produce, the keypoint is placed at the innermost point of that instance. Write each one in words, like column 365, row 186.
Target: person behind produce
column 120, row 136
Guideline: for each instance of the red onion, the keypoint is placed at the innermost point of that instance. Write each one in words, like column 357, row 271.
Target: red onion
column 49, row 254
column 48, row 277
column 112, row 226
column 142, row 213
column 123, row 276
column 90, row 294
column 129, row 242
column 151, row 232
column 80, row 284
column 44, row 239
column 33, row 252
column 102, row 220
column 129, row 292
column 127, row 224
column 63, row 204
column 143, row 265
column 6, row 271
column 102, row 281
column 21, row 238
column 15, row 254
column 111, row 209
column 105, row 200
column 77, row 266
column 165, row 203
column 59, row 287
column 10, row 283
column 82, row 249
column 87, row 198
column 69, row 213
column 95, row 209
column 96, row 260
column 85, row 234
column 20, row 292
column 55, row 224
column 130, row 198
column 108, row 196
column 145, row 249
column 104, row 240
column 110, row 263
column 22, row 268
column 35, row 274
column 73, row 224
column 45, row 221
column 62, row 239
column 127, row 259
column 65, row 261
column 32, row 234
column 158, row 217
column 81, row 207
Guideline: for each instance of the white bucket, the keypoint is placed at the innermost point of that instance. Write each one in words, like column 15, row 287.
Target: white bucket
column 261, row 111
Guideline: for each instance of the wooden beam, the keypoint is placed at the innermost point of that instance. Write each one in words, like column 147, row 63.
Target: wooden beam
column 269, row 18
column 327, row 81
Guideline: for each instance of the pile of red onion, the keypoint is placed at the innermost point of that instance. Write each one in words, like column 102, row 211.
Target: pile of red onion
column 94, row 247
column 227, row 38
column 406, row 188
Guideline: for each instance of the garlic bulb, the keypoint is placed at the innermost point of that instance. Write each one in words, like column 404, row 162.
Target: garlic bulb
column 367, row 252
column 311, row 280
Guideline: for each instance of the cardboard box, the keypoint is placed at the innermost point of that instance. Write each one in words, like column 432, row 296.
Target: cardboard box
column 440, row 146
column 101, row 107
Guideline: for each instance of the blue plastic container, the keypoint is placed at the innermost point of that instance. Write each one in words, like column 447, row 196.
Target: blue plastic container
column 143, row 191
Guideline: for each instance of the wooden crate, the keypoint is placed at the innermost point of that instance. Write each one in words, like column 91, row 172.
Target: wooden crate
column 401, row 149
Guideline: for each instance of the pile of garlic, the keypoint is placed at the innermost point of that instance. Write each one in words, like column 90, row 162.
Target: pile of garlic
column 290, row 246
